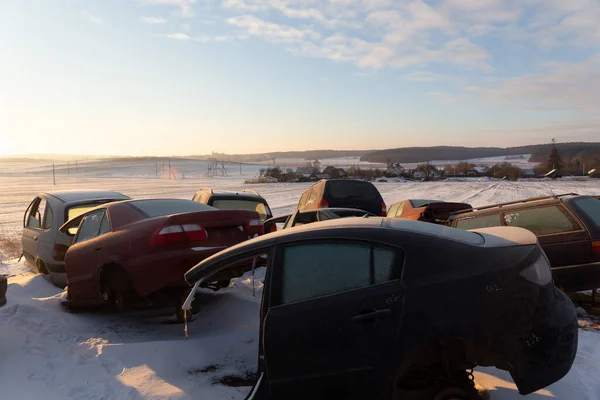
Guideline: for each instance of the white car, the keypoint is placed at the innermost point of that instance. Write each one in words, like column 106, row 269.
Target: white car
column 44, row 247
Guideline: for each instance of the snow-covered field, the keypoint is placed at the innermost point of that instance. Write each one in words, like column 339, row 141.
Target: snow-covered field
column 48, row 353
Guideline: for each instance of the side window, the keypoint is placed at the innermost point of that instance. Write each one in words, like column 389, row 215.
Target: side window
column 49, row 217
column 104, row 225
column 305, row 218
column 484, row 221
column 320, row 269
column 542, row 220
column 35, row 218
column 90, row 226
column 323, row 216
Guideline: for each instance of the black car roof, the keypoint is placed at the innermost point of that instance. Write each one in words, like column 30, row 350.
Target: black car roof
column 345, row 228
column 68, row 196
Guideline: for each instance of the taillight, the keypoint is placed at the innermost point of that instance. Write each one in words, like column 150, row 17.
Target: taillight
column 273, row 228
column 596, row 247
column 323, row 203
column 178, row 233
column 383, row 209
column 255, row 227
column 539, row 272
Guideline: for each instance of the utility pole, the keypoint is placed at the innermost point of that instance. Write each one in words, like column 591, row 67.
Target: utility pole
column 240, row 168
column 53, row 174
column 583, row 170
column 156, row 169
column 169, row 169
column 68, row 168
column 76, row 166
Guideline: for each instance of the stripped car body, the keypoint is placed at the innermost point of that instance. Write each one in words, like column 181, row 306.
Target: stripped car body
column 434, row 211
column 128, row 250
column 44, row 246
column 360, row 308
column 567, row 227
column 307, row 217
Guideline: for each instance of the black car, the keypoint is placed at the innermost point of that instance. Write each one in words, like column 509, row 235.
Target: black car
column 382, row 308
column 567, row 226
column 344, row 193
column 308, row 217
column 246, row 200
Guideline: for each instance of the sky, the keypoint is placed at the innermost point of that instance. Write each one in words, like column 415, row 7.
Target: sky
column 186, row 77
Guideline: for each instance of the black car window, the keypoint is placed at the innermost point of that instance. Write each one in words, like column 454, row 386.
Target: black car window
column 353, row 189
column 49, row 217
column 105, row 225
column 90, row 226
column 591, row 207
column 320, row 269
column 35, row 219
column 421, row 203
column 305, row 218
column 541, row 221
column 483, row 221
column 161, row 207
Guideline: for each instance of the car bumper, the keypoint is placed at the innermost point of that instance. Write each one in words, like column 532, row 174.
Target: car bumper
column 575, row 278
column 547, row 353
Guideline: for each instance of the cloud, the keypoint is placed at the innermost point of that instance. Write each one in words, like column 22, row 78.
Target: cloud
column 424, row 76
column 91, row 18
column 185, row 7
column 446, row 97
column 178, row 36
column 270, row 31
column 153, row 20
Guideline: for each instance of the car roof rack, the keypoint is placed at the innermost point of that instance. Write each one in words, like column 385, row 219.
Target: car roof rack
column 500, row 205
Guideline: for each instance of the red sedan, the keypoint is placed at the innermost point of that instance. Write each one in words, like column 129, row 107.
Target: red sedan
column 136, row 250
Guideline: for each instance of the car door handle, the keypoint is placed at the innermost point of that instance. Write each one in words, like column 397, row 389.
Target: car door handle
column 98, row 249
column 372, row 316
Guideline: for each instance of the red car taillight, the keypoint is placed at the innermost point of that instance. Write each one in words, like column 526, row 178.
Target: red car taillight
column 383, row 209
column 323, row 203
column 178, row 233
column 596, row 247
column 255, row 227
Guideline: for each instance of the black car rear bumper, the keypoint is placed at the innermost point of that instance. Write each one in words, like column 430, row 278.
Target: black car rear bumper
column 575, row 278
column 547, row 354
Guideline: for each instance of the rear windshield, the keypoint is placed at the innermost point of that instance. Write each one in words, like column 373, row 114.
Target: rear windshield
column 353, row 189
column 79, row 209
column 421, row 203
column 591, row 207
column 239, row 204
column 159, row 208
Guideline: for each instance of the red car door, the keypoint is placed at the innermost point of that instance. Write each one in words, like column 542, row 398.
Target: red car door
column 86, row 255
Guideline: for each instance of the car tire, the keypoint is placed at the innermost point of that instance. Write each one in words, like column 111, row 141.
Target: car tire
column 120, row 290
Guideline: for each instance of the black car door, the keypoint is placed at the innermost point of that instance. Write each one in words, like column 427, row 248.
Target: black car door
column 333, row 309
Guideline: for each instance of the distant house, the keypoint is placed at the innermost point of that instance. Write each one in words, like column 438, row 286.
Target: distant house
column 477, row 171
column 395, row 170
column 334, row 172
column 433, row 174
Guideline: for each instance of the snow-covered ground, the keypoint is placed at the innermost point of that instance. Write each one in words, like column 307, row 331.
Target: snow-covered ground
column 48, row 353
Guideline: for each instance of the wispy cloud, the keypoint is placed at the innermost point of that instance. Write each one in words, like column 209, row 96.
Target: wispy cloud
column 154, row 20
column 186, row 7
column 178, row 36
column 91, row 18
column 446, row 97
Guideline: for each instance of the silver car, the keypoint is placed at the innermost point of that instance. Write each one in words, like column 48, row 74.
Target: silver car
column 44, row 247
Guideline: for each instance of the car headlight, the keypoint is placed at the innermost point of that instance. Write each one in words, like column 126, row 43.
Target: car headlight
column 539, row 272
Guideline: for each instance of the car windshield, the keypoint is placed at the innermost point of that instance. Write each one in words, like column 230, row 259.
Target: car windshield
column 159, row 208
column 353, row 189
column 242, row 204
column 591, row 207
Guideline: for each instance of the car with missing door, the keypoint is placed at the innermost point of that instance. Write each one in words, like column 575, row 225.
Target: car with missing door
column 43, row 244
column 135, row 252
column 567, row 227
column 353, row 308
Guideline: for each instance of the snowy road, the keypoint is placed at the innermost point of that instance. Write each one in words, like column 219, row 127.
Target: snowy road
column 50, row 354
